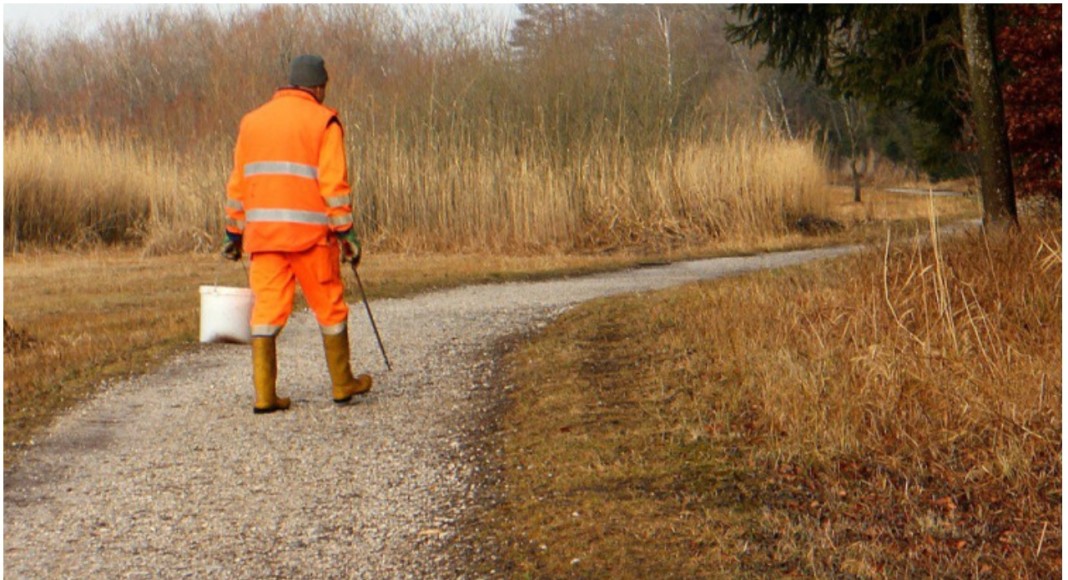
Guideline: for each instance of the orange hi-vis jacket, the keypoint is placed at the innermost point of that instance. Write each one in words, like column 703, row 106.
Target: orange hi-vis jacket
column 289, row 187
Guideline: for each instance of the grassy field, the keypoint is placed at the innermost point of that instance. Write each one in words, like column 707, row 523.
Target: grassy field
column 891, row 414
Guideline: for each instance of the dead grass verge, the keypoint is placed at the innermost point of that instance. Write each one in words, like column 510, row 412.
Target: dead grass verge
column 892, row 414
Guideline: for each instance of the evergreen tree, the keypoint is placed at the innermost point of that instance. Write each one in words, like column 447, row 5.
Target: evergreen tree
column 908, row 55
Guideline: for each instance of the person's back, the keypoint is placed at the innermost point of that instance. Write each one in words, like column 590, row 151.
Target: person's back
column 278, row 152
column 287, row 192
column 291, row 122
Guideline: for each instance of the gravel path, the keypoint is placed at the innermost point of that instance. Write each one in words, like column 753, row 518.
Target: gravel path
column 171, row 475
column 926, row 192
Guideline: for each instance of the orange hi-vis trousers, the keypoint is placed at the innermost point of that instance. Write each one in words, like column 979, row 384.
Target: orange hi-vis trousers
column 273, row 277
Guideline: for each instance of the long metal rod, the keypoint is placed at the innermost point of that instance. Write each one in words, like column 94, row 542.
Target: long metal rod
column 371, row 316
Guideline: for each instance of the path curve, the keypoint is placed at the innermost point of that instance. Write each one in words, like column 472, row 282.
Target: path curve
column 171, row 475
column 925, row 192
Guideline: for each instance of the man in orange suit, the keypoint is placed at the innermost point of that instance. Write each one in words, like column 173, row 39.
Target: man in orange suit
column 288, row 207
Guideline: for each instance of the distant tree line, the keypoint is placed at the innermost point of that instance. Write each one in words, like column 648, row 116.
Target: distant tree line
column 567, row 72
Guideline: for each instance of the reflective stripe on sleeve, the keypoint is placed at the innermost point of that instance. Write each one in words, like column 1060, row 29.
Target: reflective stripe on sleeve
column 337, row 201
column 281, row 168
column 235, row 204
column 287, row 215
column 238, row 225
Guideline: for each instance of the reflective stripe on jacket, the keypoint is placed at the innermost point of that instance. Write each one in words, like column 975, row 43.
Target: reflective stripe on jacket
column 289, row 185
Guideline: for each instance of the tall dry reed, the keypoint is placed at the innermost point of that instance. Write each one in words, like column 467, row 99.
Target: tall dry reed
column 438, row 194
column 67, row 187
column 450, row 195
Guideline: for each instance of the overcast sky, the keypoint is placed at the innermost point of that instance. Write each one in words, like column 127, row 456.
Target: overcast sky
column 51, row 18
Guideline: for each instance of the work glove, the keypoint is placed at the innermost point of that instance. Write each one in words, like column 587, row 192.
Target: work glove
column 350, row 247
column 232, row 248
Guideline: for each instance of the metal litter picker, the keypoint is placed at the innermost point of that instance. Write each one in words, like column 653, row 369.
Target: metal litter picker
column 371, row 317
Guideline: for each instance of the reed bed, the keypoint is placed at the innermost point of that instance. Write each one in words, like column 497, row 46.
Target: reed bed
column 67, row 188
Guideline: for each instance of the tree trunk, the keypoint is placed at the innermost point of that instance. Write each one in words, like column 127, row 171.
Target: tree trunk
column 856, row 178
column 995, row 164
column 852, row 114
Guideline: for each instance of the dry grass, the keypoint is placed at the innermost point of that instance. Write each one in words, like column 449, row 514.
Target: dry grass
column 743, row 186
column 879, row 205
column 65, row 188
column 595, row 480
column 891, row 414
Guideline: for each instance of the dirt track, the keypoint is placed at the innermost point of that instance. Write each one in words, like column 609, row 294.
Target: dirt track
column 171, row 475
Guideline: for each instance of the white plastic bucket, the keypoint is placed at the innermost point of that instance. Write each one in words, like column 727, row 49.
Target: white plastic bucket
column 225, row 314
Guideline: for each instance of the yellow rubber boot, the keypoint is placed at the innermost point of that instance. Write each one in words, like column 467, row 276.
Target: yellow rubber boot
column 264, row 374
column 337, row 360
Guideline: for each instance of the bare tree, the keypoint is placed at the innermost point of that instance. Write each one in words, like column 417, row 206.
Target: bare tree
column 854, row 115
column 20, row 54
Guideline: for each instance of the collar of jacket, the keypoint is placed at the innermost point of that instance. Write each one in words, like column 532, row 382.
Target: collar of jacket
column 295, row 92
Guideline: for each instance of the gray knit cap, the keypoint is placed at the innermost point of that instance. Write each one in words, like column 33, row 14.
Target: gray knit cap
column 307, row 70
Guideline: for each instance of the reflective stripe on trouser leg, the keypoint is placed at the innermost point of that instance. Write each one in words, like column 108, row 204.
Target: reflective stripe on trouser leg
column 265, row 330
column 318, row 270
column 273, row 284
column 332, row 329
